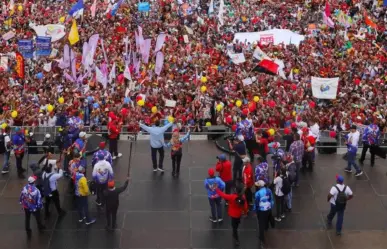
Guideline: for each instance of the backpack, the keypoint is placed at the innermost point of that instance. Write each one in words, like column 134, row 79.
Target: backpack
column 341, row 199
column 46, row 185
column 2, row 144
column 292, row 172
column 286, row 186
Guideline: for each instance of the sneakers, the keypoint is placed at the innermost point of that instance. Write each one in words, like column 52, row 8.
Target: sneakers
column 5, row 171
column 220, row 219
column 114, row 158
column 90, row 222
column 119, row 155
column 277, row 219
column 359, row 173
column 213, row 220
column 154, row 170
column 160, row 169
column 98, row 203
column 348, row 170
column 282, row 216
column 81, row 220
column 338, row 233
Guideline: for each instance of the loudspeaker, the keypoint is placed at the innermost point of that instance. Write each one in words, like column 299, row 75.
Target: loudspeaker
column 216, row 128
column 327, row 141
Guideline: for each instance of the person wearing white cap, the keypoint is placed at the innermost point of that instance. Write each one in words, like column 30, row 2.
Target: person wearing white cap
column 79, row 146
column 48, row 144
column 31, row 200
column 238, row 147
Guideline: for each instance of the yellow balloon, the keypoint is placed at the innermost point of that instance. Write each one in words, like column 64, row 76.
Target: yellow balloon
column 203, row 89
column 219, row 107
column 256, row 99
column 20, row 8
column 61, row 100
column 141, row 102
column 50, row 108
column 4, row 125
column 271, row 131
column 171, row 119
column 238, row 103
column 62, row 19
column 154, row 109
column 203, row 79
column 14, row 114
column 208, row 124
column 294, row 113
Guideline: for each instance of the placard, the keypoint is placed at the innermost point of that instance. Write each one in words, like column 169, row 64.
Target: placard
column 43, row 46
column 143, row 7
column 170, row 103
column 26, row 48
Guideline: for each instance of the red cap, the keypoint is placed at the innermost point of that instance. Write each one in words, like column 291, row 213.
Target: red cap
column 211, row 172
column 111, row 184
column 102, row 145
column 175, row 130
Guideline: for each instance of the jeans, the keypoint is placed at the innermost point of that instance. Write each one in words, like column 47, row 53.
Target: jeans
column 289, row 199
column 83, row 207
column 216, row 208
column 340, row 217
column 249, row 195
column 28, row 218
column 154, row 157
column 235, row 224
column 100, row 187
column 176, row 160
column 55, row 198
column 351, row 157
column 308, row 159
column 111, row 217
column 364, row 151
column 19, row 162
column 280, row 202
column 7, row 154
column 113, row 147
column 263, row 223
column 228, row 187
column 298, row 166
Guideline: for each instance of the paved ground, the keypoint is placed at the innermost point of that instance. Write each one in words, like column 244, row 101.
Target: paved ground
column 160, row 212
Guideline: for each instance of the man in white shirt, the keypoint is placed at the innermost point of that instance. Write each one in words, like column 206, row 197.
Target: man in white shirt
column 315, row 130
column 52, row 194
column 338, row 197
column 352, row 142
column 279, row 196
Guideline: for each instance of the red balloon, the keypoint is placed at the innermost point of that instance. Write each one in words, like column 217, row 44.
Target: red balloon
column 252, row 106
column 245, row 111
column 312, row 104
column 332, row 134
column 293, row 125
column 124, row 111
column 271, row 104
column 294, row 87
column 229, row 120
column 233, row 128
column 287, row 131
column 138, row 98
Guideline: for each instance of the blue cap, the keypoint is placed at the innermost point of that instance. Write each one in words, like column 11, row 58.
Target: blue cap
column 339, row 179
column 17, row 129
column 222, row 157
column 101, row 156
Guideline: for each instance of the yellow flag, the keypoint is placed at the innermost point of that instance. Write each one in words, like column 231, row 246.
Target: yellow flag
column 73, row 35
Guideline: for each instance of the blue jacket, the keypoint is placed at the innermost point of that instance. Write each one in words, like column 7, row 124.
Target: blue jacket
column 156, row 134
column 30, row 198
column 371, row 135
column 211, row 184
column 18, row 142
column 245, row 128
column 264, row 200
column 105, row 153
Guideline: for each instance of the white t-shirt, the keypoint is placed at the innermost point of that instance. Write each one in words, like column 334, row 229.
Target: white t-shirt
column 334, row 192
column 7, row 139
column 51, row 121
column 278, row 185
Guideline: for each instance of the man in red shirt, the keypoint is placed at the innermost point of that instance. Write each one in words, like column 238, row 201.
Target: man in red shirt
column 113, row 132
column 248, row 179
column 224, row 168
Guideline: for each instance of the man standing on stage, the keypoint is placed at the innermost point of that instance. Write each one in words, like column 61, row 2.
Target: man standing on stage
column 246, row 129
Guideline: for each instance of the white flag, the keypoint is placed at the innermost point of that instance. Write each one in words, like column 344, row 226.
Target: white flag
column 112, row 74
column 324, row 88
column 47, row 67
column 221, row 12
column 127, row 74
column 100, row 77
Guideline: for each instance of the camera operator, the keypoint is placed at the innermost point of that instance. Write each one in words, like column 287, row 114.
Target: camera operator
column 238, row 147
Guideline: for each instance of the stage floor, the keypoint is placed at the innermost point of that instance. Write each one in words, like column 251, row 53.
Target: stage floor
column 157, row 211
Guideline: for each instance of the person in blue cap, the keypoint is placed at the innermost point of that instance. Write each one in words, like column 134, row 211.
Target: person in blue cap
column 338, row 197
column 105, row 155
column 18, row 142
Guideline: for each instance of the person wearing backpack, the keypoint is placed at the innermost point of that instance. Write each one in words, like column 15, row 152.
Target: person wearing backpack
column 237, row 207
column 338, row 197
column 291, row 172
column 50, row 190
column 282, row 188
column 6, row 147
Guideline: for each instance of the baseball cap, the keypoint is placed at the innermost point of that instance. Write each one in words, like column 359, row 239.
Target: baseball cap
column 246, row 160
column 102, row 145
column 82, row 134
column 240, row 138
column 101, row 156
column 260, row 183
column 111, row 184
column 48, row 136
column 339, row 178
column 211, row 172
column 221, row 157
column 32, row 179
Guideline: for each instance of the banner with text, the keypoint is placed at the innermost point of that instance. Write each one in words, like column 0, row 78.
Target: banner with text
column 43, row 46
column 325, row 88
column 26, row 48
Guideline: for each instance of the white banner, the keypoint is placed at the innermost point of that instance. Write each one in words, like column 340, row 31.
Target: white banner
column 170, row 103
column 3, row 63
column 324, row 88
column 275, row 36
column 55, row 31
column 237, row 58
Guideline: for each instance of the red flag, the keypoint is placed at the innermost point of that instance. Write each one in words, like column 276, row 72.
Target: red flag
column 327, row 9
column 19, row 65
column 267, row 66
column 369, row 22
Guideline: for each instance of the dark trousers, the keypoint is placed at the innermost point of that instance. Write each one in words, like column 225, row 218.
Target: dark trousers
column 28, row 217
column 280, row 203
column 250, row 145
column 235, row 224
column 111, row 216
column 364, row 152
column 263, row 223
column 228, row 187
column 100, row 187
column 55, row 198
column 216, row 208
column 154, row 157
column 176, row 160
column 340, row 217
column 308, row 160
column 249, row 195
column 113, row 148
column 19, row 163
column 83, row 207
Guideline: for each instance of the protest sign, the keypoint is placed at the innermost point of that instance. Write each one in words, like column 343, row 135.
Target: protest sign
column 55, row 31
column 143, row 7
column 324, row 88
column 26, row 48
column 43, row 46
column 277, row 36
column 237, row 58
column 247, row 81
column 170, row 103
column 3, row 63
column 8, row 35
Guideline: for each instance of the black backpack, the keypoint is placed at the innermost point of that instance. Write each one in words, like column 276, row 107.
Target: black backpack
column 286, row 186
column 46, row 185
column 292, row 172
column 341, row 199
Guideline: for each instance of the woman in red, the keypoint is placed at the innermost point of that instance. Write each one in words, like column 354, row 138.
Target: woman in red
column 248, row 179
column 237, row 207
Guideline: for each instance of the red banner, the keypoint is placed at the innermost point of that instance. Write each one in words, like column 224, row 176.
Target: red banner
column 19, row 65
